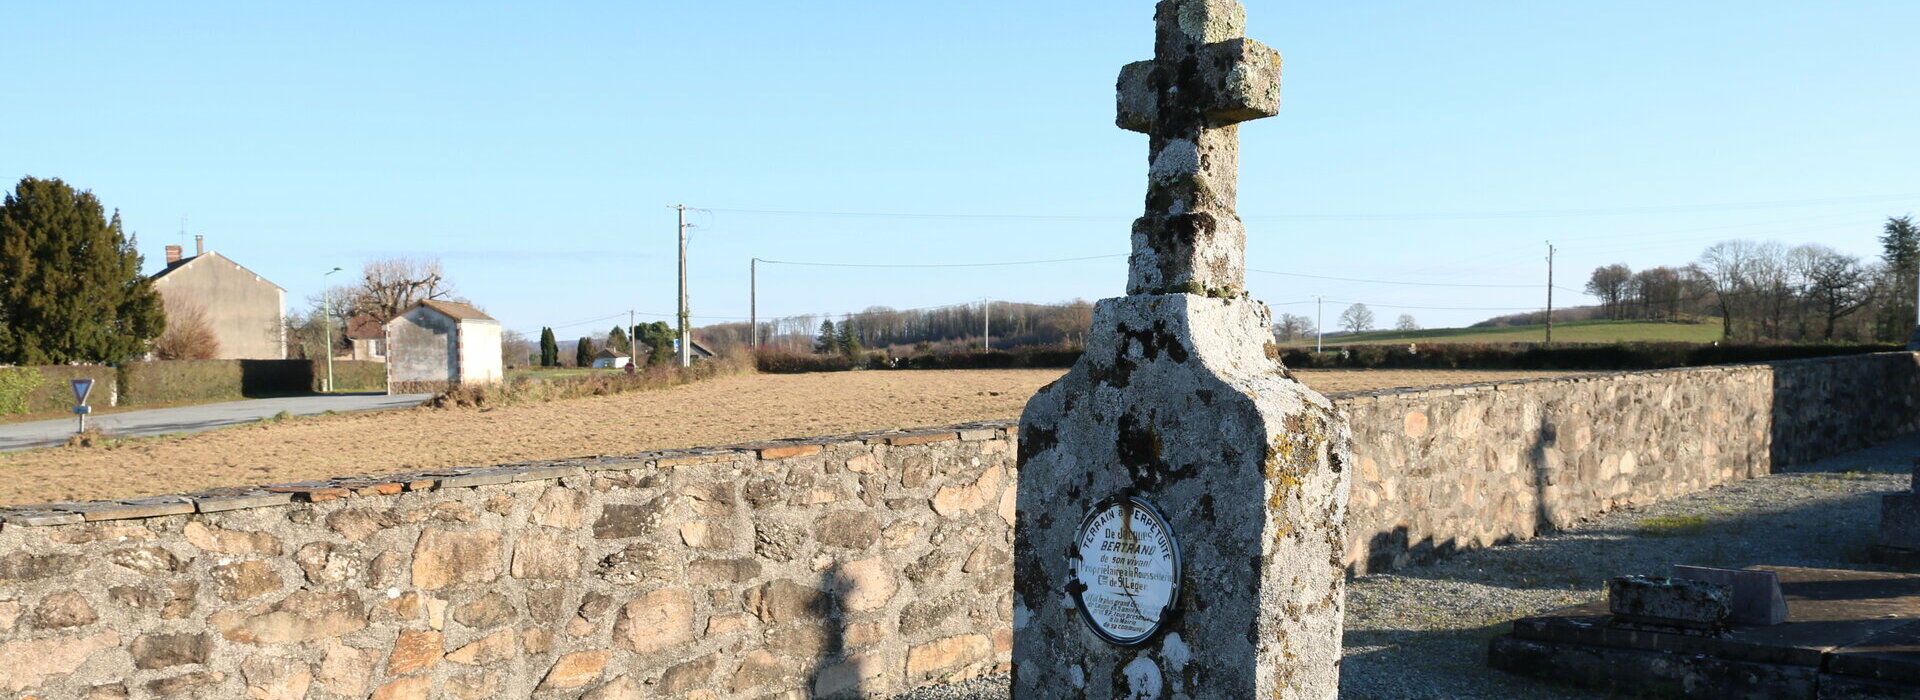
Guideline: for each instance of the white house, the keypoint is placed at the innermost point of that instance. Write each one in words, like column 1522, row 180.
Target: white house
column 608, row 359
column 440, row 344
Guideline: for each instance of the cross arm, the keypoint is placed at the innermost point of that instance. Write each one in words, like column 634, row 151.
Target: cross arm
column 1240, row 81
column 1245, row 79
column 1136, row 97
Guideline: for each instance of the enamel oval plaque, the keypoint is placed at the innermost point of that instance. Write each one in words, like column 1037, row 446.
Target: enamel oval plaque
column 1126, row 570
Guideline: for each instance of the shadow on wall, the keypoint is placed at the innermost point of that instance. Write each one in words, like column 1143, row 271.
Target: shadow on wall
column 832, row 676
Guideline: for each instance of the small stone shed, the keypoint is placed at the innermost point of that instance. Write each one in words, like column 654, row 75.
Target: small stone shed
column 440, row 344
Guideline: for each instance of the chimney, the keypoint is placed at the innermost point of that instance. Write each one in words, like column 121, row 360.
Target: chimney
column 173, row 255
column 199, row 245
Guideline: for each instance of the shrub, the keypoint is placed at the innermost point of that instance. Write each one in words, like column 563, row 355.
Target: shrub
column 15, row 384
column 188, row 335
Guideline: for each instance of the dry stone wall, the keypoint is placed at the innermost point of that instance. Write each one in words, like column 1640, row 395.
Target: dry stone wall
column 831, row 566
column 847, row 565
column 1461, row 467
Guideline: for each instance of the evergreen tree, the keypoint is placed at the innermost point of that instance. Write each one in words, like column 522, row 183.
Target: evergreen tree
column 617, row 341
column 659, row 337
column 850, row 339
column 829, row 339
column 583, row 353
column 1900, row 248
column 70, row 282
column 549, row 349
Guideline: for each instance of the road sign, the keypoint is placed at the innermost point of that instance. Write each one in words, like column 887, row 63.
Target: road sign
column 82, row 410
column 81, row 387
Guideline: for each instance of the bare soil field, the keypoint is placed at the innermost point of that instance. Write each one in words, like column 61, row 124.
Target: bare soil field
column 716, row 412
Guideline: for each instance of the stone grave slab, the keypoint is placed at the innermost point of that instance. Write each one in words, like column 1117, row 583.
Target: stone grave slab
column 1756, row 594
column 1847, row 632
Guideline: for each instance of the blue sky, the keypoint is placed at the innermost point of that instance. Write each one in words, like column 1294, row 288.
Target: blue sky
column 536, row 150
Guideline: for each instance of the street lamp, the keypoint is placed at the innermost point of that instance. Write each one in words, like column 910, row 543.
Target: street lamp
column 326, row 319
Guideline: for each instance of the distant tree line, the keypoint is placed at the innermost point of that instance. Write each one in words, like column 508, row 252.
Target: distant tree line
column 1770, row 292
column 900, row 331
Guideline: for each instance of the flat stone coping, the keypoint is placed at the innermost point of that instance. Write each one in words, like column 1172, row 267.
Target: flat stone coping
column 1367, row 396
column 1854, row 623
column 269, row 495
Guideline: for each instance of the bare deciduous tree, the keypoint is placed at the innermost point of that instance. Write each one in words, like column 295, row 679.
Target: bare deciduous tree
column 1836, row 284
column 390, row 285
column 1357, row 318
column 1610, row 283
column 1292, row 327
column 1406, row 323
column 188, row 335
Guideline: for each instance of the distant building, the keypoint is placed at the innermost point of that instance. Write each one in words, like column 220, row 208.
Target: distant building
column 244, row 310
column 368, row 339
column 608, row 359
column 440, row 344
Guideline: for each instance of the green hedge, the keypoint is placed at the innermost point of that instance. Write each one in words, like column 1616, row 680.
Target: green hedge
column 179, row 380
column 350, row 376
column 775, row 362
column 37, row 389
column 214, row 380
column 1615, row 356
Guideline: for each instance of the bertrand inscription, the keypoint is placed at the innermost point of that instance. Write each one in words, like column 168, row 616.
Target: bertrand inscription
column 1128, row 568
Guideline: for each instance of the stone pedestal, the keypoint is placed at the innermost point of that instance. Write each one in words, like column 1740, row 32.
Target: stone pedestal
column 1899, row 542
column 1177, row 401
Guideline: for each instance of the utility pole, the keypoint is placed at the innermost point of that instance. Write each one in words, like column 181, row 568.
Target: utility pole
column 686, row 339
column 753, row 301
column 1913, row 341
column 986, row 325
column 1319, row 324
column 633, row 342
column 1549, row 292
column 326, row 315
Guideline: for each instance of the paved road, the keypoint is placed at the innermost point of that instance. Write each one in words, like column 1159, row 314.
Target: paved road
column 193, row 419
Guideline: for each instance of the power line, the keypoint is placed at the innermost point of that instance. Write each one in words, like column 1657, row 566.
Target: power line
column 1422, row 308
column 1399, row 216
column 989, row 264
column 1410, row 284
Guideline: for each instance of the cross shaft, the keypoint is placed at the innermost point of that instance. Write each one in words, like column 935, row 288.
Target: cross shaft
column 1206, row 77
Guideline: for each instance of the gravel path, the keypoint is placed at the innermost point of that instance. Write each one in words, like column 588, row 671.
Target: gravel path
column 1422, row 632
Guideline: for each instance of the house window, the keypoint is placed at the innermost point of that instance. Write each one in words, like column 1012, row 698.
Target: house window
column 379, row 347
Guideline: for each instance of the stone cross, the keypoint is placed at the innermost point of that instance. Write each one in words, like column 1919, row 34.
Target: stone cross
column 1180, row 522
column 1206, row 77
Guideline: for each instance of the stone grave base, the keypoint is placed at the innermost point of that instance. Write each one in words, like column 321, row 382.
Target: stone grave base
column 1898, row 557
column 1849, row 634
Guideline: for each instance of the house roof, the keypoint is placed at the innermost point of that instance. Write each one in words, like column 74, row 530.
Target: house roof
column 453, row 309
column 364, row 326
column 184, row 264
column 610, row 354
